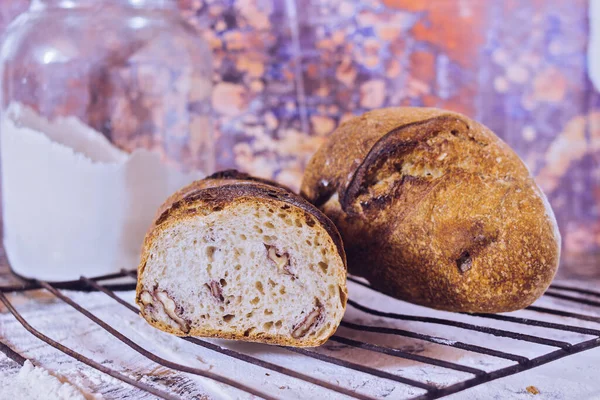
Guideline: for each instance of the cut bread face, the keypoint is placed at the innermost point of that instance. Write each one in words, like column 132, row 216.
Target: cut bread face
column 244, row 261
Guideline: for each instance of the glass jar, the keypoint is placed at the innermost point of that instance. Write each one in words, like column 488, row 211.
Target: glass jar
column 104, row 112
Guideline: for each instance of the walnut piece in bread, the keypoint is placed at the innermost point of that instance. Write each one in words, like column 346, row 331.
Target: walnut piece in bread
column 235, row 257
column 435, row 209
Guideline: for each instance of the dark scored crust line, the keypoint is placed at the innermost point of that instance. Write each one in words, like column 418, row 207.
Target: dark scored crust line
column 385, row 146
column 234, row 174
column 221, row 196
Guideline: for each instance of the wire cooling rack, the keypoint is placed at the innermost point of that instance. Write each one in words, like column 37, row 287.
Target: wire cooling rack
column 519, row 362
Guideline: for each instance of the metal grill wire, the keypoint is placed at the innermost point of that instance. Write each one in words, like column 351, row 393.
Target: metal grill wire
column 522, row 363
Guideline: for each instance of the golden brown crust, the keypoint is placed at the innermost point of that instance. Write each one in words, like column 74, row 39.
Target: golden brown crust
column 215, row 194
column 252, row 337
column 435, row 209
column 220, row 178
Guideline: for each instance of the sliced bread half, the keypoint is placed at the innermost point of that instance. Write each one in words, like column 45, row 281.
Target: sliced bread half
column 235, row 257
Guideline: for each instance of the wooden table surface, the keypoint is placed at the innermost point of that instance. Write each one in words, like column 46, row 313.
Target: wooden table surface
column 574, row 376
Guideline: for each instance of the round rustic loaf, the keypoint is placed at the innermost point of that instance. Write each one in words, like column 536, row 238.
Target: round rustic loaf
column 435, row 209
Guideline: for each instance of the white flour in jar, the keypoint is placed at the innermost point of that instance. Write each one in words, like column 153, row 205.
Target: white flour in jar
column 74, row 204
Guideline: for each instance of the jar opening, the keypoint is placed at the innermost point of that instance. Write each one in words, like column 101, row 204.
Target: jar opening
column 146, row 4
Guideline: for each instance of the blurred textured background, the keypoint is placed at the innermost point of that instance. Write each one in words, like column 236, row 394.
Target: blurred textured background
column 288, row 71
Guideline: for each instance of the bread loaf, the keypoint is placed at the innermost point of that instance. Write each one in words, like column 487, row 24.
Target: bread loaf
column 237, row 257
column 435, row 209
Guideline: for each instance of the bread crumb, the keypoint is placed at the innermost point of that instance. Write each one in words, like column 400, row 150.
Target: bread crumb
column 532, row 390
